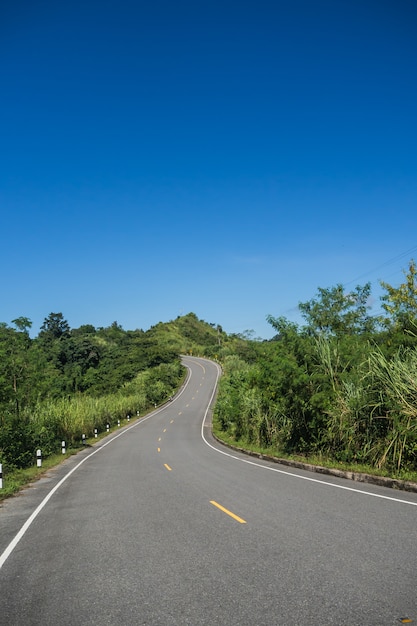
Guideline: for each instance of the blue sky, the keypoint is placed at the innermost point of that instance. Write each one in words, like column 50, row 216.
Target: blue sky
column 225, row 158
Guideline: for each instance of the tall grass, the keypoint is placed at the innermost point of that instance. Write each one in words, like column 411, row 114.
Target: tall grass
column 369, row 417
column 67, row 419
column 70, row 418
column 397, row 405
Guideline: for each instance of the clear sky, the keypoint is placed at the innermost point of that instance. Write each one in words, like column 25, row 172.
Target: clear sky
column 225, row 158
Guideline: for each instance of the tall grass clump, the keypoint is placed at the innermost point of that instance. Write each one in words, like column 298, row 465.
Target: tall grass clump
column 397, row 406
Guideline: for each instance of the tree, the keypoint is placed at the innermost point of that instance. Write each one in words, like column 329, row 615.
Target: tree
column 54, row 327
column 84, row 329
column 15, row 364
column 22, row 323
column 400, row 303
column 335, row 312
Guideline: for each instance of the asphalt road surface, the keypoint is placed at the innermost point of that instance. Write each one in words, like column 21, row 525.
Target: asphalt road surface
column 159, row 525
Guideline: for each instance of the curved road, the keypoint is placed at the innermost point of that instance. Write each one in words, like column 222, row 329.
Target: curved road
column 159, row 525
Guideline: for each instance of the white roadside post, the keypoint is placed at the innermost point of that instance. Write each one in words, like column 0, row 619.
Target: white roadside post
column 83, row 439
column 39, row 458
column 1, row 476
column 108, row 427
column 95, row 432
column 63, row 447
column 118, row 422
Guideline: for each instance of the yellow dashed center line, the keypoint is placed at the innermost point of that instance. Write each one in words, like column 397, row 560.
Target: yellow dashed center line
column 168, row 467
column 219, row 506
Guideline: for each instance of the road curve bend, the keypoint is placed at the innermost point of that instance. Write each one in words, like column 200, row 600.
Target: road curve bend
column 161, row 525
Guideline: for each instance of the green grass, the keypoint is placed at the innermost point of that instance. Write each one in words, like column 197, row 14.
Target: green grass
column 16, row 479
column 317, row 460
column 80, row 415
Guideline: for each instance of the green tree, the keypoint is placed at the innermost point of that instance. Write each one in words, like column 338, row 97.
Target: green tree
column 54, row 327
column 335, row 312
column 23, row 324
column 400, row 303
column 15, row 365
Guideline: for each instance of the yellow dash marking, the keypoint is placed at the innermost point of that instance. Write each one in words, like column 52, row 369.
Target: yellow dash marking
column 164, row 430
column 168, row 467
column 159, row 449
column 405, row 620
column 159, row 439
column 180, row 413
column 172, row 421
column 219, row 506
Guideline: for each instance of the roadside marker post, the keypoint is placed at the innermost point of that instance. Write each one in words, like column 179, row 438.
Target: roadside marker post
column 63, row 447
column 118, row 422
column 95, row 432
column 1, row 476
column 83, row 439
column 108, row 427
column 39, row 458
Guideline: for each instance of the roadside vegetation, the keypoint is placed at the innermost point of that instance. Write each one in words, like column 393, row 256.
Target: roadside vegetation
column 66, row 383
column 339, row 391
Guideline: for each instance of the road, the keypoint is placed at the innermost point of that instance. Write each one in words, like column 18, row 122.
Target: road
column 159, row 525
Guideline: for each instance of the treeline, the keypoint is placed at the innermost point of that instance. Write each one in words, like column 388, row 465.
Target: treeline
column 66, row 382
column 341, row 387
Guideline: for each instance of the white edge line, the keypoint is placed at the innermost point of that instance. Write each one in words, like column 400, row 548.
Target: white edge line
column 279, row 471
column 7, row 552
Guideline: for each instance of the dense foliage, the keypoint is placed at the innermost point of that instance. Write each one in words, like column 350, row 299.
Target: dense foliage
column 66, row 382
column 344, row 386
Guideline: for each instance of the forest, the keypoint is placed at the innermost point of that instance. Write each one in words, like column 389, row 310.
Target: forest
column 340, row 389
